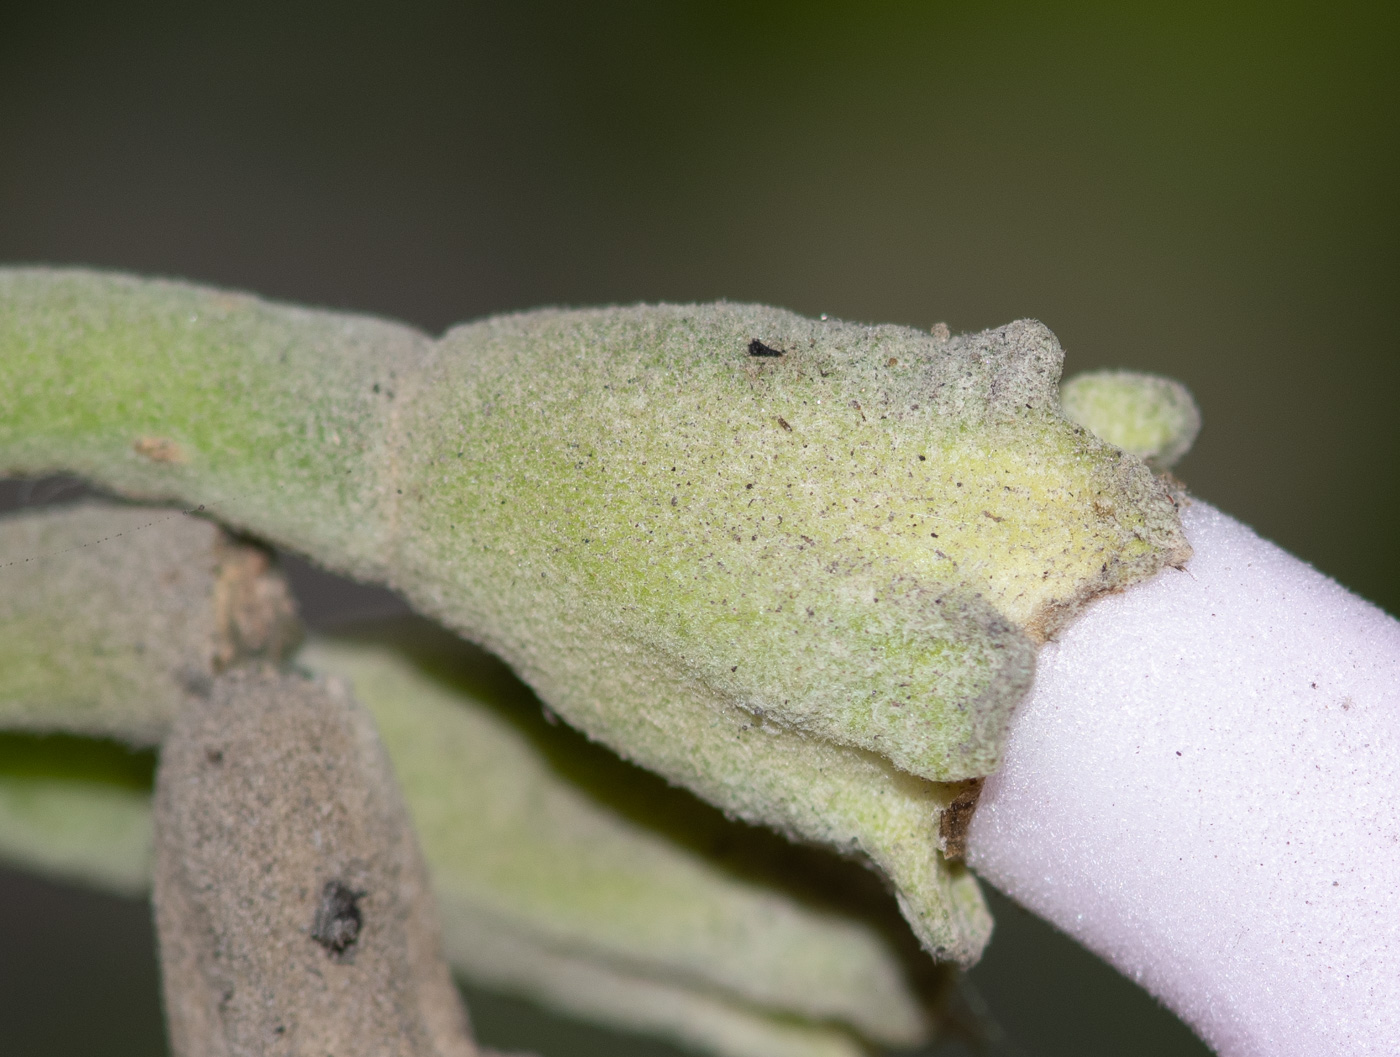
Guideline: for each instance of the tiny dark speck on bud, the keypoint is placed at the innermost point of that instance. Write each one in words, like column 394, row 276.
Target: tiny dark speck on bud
column 338, row 918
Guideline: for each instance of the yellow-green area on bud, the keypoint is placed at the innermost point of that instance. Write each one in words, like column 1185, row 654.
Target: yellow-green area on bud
column 1152, row 417
column 858, row 540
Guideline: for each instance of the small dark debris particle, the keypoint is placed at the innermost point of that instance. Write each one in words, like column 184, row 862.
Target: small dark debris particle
column 923, row 458
column 934, row 535
column 988, row 513
column 784, row 423
column 748, row 486
column 376, row 387
column 338, row 918
column 735, row 668
column 892, row 362
column 757, row 348
column 673, row 500
column 1178, row 752
column 214, row 755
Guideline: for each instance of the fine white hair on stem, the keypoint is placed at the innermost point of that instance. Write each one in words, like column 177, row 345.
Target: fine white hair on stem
column 1201, row 788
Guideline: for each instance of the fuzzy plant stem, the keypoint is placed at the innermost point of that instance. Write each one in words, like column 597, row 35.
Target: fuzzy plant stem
column 292, row 903
column 291, row 900
column 801, row 567
column 1202, row 787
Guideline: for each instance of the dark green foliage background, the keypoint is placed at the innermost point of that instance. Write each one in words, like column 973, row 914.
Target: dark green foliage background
column 1210, row 193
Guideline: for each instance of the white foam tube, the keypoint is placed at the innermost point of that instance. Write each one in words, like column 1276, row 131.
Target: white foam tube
column 1203, row 787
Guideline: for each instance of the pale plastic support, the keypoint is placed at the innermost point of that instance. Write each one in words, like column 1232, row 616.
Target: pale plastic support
column 1204, row 788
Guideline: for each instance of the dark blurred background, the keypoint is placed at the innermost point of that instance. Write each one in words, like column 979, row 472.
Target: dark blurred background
column 1207, row 192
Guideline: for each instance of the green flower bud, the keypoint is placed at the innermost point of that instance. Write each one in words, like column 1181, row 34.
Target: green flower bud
column 800, row 567
column 1152, row 417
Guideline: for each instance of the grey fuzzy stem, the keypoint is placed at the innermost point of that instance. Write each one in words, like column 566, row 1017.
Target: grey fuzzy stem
column 116, row 607
column 110, row 616
column 291, row 900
